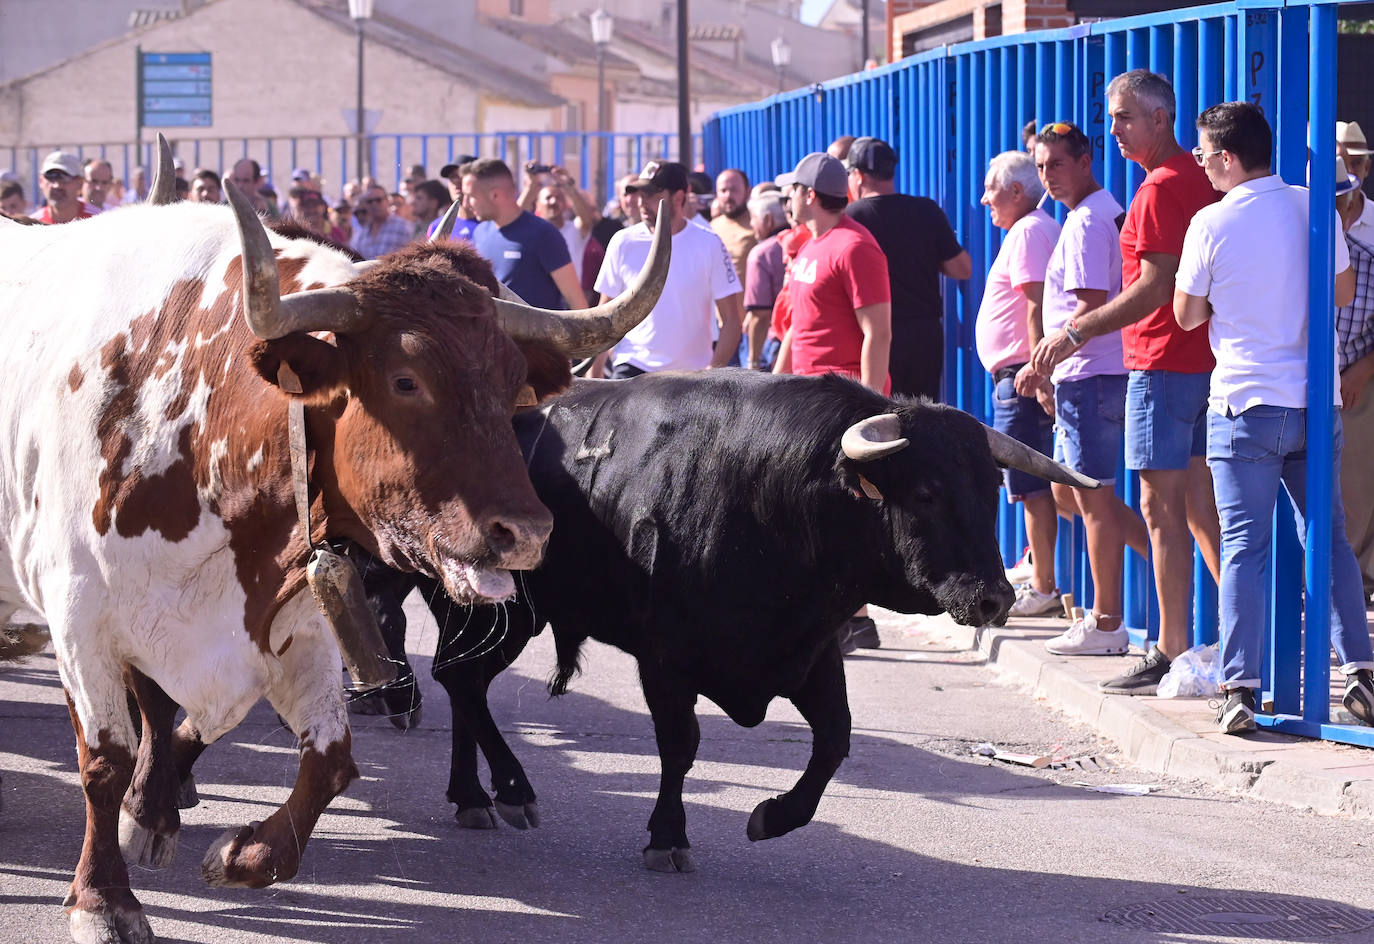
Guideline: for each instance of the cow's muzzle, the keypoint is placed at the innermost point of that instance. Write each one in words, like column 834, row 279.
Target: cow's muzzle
column 976, row 602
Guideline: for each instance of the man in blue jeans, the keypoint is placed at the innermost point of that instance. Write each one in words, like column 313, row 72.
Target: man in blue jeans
column 1244, row 273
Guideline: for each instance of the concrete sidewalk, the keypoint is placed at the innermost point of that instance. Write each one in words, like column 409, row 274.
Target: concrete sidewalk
column 1174, row 736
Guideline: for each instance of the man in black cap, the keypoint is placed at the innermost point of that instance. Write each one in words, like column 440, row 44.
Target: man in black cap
column 677, row 333
column 466, row 222
column 920, row 246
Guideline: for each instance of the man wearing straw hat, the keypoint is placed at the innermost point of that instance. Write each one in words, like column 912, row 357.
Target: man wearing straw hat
column 1352, row 147
column 1355, row 358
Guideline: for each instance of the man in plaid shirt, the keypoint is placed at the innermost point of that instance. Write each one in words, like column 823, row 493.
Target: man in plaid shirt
column 1355, row 360
column 378, row 232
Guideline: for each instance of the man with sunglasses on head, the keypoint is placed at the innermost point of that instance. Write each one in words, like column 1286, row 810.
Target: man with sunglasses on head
column 62, row 180
column 1166, row 392
column 1084, row 273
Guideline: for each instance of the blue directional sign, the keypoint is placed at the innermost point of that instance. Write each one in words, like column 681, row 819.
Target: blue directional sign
column 174, row 89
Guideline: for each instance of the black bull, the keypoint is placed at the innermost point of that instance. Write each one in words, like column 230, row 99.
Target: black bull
column 714, row 527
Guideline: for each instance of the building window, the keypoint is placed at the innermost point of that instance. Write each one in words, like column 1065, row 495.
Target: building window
column 517, row 7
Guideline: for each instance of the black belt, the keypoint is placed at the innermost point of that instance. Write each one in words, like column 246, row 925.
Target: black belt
column 1002, row 373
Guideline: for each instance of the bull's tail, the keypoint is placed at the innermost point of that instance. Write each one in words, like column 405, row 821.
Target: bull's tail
column 569, row 651
column 19, row 640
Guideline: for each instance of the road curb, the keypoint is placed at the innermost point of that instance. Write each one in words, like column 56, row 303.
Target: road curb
column 1330, row 779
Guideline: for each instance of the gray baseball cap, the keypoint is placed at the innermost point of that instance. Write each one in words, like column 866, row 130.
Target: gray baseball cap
column 819, row 171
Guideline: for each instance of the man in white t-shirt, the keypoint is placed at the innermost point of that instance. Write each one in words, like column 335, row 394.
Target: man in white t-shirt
column 1084, row 273
column 677, row 333
column 1244, row 273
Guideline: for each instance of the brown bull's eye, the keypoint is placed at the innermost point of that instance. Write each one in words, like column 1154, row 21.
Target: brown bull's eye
column 406, row 385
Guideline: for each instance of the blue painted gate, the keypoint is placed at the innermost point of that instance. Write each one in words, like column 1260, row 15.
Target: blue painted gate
column 948, row 110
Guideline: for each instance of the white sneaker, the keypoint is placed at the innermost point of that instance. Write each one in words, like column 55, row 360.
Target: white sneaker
column 1031, row 602
column 1021, row 571
column 1083, row 638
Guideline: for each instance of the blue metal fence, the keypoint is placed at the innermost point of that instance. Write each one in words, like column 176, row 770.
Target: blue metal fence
column 949, row 110
column 594, row 159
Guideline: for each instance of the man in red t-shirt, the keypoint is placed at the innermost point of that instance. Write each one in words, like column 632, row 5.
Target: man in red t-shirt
column 1166, row 394
column 840, row 299
column 62, row 179
column 840, row 303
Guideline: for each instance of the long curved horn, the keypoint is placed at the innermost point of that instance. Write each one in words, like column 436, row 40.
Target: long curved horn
column 445, row 228
column 586, row 333
column 874, row 438
column 268, row 314
column 1017, row 455
column 163, row 189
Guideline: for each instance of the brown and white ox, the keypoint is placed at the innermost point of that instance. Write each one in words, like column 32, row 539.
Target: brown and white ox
column 146, row 502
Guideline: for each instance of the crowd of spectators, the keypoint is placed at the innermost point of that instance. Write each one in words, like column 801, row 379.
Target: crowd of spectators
column 1092, row 330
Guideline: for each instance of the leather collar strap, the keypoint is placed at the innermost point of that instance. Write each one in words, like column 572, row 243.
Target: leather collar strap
column 300, row 466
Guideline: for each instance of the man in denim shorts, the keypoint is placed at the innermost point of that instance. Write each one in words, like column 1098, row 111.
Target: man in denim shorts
column 1083, row 274
column 1008, row 325
column 1166, row 398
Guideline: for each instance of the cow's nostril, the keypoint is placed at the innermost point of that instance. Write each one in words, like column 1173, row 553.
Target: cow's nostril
column 991, row 609
column 501, row 539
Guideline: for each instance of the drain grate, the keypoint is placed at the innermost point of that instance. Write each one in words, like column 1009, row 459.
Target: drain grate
column 1277, row 919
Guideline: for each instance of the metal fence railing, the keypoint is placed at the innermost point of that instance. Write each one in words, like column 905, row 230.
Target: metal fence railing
column 948, row 110
column 595, row 159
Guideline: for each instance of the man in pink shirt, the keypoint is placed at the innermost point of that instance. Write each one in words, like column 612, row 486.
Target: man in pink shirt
column 1007, row 329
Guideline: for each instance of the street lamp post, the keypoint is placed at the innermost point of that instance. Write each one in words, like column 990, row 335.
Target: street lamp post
column 684, row 89
column 360, row 10
column 782, row 57
column 603, row 25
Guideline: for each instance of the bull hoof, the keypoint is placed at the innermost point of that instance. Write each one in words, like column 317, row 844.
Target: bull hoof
column 236, row 861
column 521, row 817
column 669, row 860
column 113, row 925
column 476, row 817
column 187, row 796
column 758, row 822
column 143, row 846
column 405, row 720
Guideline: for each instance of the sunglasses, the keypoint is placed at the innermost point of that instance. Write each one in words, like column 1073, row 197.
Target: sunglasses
column 1201, row 156
column 375, row 200
column 57, row 176
column 1058, row 127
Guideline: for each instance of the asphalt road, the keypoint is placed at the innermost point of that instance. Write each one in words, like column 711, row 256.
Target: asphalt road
column 917, row 840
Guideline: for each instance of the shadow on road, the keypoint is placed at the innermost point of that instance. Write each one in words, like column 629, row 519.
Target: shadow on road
column 388, row 863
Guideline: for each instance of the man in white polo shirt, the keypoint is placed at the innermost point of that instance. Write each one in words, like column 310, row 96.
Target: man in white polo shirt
column 1244, row 273
column 677, row 333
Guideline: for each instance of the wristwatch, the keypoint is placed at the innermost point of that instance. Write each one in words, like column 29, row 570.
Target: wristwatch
column 1071, row 330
